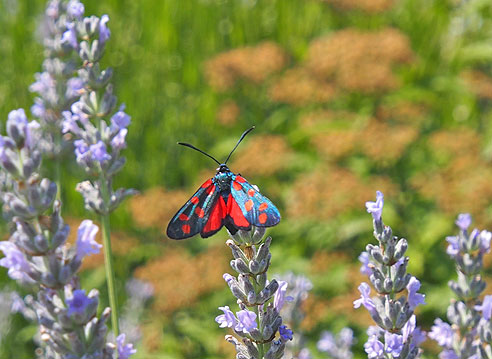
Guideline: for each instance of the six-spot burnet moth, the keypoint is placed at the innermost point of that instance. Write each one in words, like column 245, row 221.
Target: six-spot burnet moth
column 228, row 200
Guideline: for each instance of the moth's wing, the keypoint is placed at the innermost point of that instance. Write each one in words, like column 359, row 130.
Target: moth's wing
column 193, row 216
column 258, row 210
column 216, row 218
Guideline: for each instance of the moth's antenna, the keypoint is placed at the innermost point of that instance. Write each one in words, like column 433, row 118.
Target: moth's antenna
column 197, row 149
column 238, row 142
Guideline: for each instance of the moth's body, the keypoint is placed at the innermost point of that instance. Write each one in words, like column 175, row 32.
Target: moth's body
column 228, row 200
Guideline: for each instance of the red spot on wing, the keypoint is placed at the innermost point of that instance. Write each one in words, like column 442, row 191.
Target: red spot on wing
column 235, row 213
column 186, row 228
column 240, row 179
column 207, row 183
column 210, row 189
column 200, row 212
column 251, row 192
column 237, row 186
column 217, row 215
column 248, row 205
column 262, row 218
column 263, row 206
column 194, row 200
column 183, row 217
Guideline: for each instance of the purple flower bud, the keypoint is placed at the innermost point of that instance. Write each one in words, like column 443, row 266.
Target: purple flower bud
column 75, row 9
column 78, row 303
column 246, row 321
column 485, row 307
column 393, row 343
column 365, row 260
column 285, row 333
column 442, row 333
column 304, row 353
column 365, row 299
column 280, row 298
column 414, row 298
column 376, row 208
column 99, row 152
column 70, row 36
column 74, row 87
column 464, row 220
column 120, row 120
column 104, row 32
column 124, row 350
column 86, row 239
column 118, row 141
column 227, row 319
column 374, row 348
column 448, row 354
column 44, row 83
column 15, row 261
column 346, row 337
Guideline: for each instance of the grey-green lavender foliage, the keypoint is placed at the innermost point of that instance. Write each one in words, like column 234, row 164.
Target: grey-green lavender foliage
column 258, row 321
column 396, row 334
column 468, row 334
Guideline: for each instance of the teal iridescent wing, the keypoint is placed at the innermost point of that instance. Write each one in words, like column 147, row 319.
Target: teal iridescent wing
column 258, row 210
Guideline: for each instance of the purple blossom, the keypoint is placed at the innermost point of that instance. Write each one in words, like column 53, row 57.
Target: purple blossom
column 414, row 298
column 464, row 220
column 393, row 343
column 69, row 124
column 374, row 330
column 485, row 237
column 346, row 337
column 227, row 319
column 376, row 208
column 74, row 87
column 280, row 298
column 70, row 36
column 327, row 342
column 38, row 109
column 304, row 353
column 246, row 321
column 15, row 261
column 120, row 120
column 86, row 239
column 285, row 333
column 104, row 32
column 44, row 83
column 365, row 260
column 454, row 246
column 485, row 307
column 81, row 150
column 442, row 333
column 124, row 350
column 75, row 9
column 448, row 354
column 118, row 141
column 78, row 303
column 99, row 152
column 374, row 348
column 365, row 299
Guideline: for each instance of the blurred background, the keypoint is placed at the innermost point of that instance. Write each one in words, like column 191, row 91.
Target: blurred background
column 347, row 96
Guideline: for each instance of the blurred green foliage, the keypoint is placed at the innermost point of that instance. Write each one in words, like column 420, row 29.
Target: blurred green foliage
column 159, row 51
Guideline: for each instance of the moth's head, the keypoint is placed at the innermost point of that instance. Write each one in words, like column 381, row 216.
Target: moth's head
column 223, row 168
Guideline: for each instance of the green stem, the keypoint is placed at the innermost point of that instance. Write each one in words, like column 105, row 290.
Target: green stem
column 108, row 264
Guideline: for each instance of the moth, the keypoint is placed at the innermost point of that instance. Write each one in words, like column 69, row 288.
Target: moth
column 226, row 199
